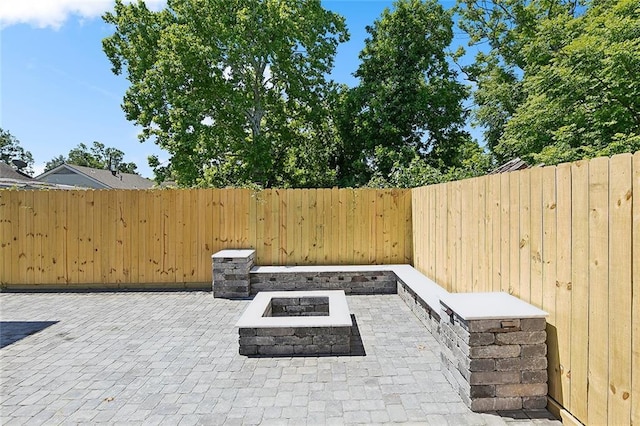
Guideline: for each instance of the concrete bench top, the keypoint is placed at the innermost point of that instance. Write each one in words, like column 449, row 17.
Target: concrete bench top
column 498, row 305
column 320, row 268
column 339, row 315
column 232, row 253
column 422, row 286
column 469, row 306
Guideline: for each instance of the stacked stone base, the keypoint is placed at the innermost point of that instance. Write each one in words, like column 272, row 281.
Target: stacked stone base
column 298, row 306
column 429, row 317
column 295, row 341
column 496, row 364
column 231, row 273
column 353, row 283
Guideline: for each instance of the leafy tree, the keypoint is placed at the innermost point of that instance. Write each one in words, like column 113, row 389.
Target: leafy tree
column 54, row 162
column 559, row 81
column 10, row 149
column 235, row 91
column 582, row 87
column 407, row 109
column 98, row 157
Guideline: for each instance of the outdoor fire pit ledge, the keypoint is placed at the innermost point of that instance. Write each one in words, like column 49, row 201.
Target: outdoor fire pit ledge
column 493, row 345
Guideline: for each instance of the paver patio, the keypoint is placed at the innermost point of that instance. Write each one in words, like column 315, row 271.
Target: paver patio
column 172, row 358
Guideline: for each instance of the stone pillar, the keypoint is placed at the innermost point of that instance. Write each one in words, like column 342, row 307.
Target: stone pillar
column 231, row 273
column 494, row 351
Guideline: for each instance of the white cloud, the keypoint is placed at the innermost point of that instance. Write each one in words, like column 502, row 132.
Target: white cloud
column 54, row 13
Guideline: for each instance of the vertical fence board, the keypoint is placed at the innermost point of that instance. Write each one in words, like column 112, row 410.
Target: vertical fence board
column 439, row 236
column 504, row 231
column 562, row 394
column 482, row 269
column 496, row 280
column 142, row 235
column 620, row 289
column 455, row 238
column 635, row 319
column 189, row 260
column 579, row 290
column 514, row 233
column 549, row 235
column 71, row 235
column 598, row 290
column 121, row 228
column 524, row 243
column 7, row 236
column 536, row 237
column 41, row 204
column 473, row 237
column 203, row 259
column 466, row 273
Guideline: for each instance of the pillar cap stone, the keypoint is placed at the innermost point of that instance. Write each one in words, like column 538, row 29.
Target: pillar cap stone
column 495, row 305
column 233, row 253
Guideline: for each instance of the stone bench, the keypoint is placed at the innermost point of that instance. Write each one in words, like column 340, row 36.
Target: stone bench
column 493, row 345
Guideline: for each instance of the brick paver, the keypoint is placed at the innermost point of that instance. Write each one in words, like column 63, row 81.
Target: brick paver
column 172, row 358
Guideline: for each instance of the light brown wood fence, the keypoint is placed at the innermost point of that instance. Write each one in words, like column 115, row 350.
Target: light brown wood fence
column 157, row 238
column 566, row 239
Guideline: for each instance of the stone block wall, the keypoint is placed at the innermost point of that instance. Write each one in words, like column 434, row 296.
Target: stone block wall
column 429, row 317
column 496, row 364
column 298, row 306
column 231, row 273
column 367, row 282
column 295, row 341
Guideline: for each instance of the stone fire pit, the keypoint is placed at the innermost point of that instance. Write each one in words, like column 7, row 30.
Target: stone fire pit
column 296, row 323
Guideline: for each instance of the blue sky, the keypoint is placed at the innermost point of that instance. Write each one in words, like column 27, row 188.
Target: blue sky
column 56, row 85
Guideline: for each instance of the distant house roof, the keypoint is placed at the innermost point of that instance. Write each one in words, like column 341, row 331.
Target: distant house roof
column 12, row 178
column 511, row 166
column 87, row 177
column 8, row 172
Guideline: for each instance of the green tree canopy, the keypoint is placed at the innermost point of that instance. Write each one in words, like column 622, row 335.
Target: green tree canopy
column 582, row 87
column 559, row 81
column 10, row 149
column 235, row 91
column 98, row 156
column 407, row 110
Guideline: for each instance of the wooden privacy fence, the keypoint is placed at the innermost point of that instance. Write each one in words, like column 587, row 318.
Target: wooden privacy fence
column 566, row 239
column 157, row 238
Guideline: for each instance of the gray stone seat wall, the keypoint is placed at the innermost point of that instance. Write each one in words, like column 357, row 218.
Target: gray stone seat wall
column 354, row 281
column 502, row 367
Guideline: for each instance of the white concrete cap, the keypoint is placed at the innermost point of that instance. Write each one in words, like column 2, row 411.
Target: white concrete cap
column 497, row 305
column 339, row 315
column 233, row 253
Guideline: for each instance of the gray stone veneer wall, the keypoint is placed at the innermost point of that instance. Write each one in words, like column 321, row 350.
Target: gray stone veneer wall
column 427, row 316
column 495, row 364
column 231, row 273
column 374, row 282
column 295, row 341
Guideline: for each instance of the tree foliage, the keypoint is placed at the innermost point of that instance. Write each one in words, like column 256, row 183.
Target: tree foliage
column 235, row 90
column 10, row 149
column 559, row 81
column 582, row 87
column 406, row 115
column 98, row 157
